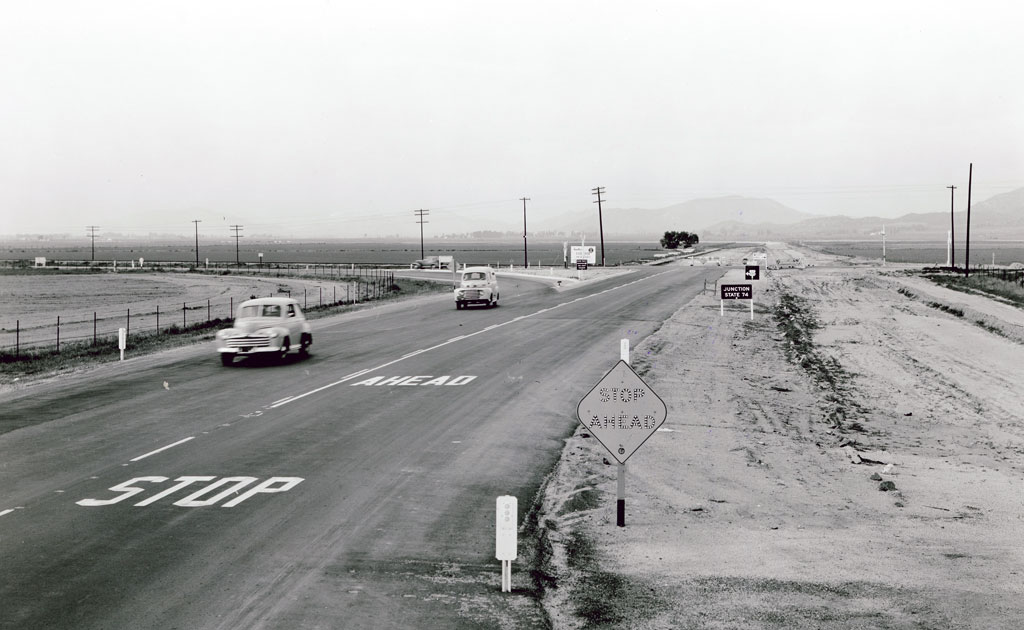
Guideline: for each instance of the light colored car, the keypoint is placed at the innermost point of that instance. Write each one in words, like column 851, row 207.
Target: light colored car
column 477, row 285
column 265, row 326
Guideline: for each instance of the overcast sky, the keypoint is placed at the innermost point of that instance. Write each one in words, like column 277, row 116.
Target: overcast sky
column 347, row 116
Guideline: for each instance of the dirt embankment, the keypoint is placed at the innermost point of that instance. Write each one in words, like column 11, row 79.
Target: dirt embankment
column 851, row 458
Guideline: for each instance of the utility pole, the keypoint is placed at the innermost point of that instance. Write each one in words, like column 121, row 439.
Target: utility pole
column 197, row 222
column 235, row 229
column 421, row 213
column 967, row 258
column 92, row 234
column 952, row 230
column 600, row 220
column 526, row 260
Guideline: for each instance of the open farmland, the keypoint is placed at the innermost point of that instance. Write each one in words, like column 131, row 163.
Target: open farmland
column 36, row 304
column 348, row 252
column 925, row 252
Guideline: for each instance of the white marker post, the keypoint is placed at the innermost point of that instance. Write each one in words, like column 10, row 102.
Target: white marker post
column 506, row 532
column 122, row 340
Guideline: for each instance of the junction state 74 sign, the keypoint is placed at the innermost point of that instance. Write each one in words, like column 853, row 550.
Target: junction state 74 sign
column 622, row 411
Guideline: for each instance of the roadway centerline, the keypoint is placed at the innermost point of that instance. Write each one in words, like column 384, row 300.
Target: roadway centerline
column 292, row 399
column 163, row 448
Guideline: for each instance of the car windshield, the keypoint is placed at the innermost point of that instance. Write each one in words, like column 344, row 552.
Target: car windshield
column 474, row 275
column 260, row 310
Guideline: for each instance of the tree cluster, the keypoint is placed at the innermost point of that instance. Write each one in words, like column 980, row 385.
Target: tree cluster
column 672, row 240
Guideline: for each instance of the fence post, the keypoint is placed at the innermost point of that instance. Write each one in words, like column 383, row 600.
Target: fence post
column 58, row 334
column 17, row 338
column 94, row 328
column 184, row 322
column 128, row 323
column 157, row 319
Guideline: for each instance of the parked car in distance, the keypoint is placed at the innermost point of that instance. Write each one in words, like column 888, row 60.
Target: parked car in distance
column 265, row 326
column 477, row 285
column 430, row 262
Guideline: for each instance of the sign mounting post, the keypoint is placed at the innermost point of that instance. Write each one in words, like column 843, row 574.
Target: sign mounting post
column 622, row 411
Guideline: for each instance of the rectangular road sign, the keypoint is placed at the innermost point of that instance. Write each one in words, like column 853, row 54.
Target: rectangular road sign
column 752, row 272
column 737, row 292
column 581, row 265
column 506, row 528
column 584, row 252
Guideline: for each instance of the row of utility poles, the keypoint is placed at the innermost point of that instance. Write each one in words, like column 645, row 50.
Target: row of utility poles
column 235, row 228
column 952, row 226
column 526, row 255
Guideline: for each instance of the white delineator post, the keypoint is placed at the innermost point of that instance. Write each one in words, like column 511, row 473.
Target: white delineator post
column 506, row 532
column 122, row 340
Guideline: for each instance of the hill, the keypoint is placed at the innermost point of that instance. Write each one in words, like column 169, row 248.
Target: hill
column 999, row 217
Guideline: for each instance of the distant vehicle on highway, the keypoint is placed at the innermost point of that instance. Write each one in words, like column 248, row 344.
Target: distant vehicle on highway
column 477, row 285
column 265, row 326
column 432, row 262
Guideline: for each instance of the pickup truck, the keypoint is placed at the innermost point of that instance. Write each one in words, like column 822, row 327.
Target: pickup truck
column 477, row 285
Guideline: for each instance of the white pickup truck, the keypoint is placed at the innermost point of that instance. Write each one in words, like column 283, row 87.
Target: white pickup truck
column 477, row 285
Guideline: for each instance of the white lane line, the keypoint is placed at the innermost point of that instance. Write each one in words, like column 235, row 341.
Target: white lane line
column 445, row 343
column 285, row 399
column 164, row 448
column 5, row 512
column 318, row 389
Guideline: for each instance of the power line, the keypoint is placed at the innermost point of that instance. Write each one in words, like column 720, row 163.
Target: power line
column 92, row 234
column 421, row 213
column 236, row 229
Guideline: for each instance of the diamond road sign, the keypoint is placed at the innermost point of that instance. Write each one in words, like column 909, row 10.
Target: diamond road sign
column 622, row 411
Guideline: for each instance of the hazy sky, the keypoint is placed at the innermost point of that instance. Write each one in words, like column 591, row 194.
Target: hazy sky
column 344, row 117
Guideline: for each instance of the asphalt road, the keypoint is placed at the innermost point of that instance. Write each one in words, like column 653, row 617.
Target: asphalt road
column 171, row 492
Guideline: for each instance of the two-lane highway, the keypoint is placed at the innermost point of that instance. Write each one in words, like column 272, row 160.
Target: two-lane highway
column 352, row 489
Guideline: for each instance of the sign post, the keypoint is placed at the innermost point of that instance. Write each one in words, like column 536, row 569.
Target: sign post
column 621, row 411
column 506, row 532
column 737, row 292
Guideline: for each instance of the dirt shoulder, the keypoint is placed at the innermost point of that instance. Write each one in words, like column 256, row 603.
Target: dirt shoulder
column 746, row 510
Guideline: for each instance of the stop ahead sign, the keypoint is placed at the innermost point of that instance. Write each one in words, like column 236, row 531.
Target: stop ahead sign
column 622, row 411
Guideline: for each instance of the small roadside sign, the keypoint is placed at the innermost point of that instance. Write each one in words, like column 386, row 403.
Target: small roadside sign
column 585, row 252
column 753, row 272
column 622, row 411
column 506, row 532
column 737, row 292
column 581, row 265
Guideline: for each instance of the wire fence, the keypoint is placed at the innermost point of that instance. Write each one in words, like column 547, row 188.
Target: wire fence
column 92, row 326
column 1016, row 276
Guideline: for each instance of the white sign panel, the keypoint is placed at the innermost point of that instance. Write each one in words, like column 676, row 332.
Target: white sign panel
column 583, row 252
column 622, row 411
column 506, row 528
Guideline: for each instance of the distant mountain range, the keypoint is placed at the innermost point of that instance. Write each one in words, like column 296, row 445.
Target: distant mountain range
column 742, row 218
column 1000, row 217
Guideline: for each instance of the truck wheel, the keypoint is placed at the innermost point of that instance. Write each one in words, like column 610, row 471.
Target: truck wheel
column 285, row 347
column 226, row 358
